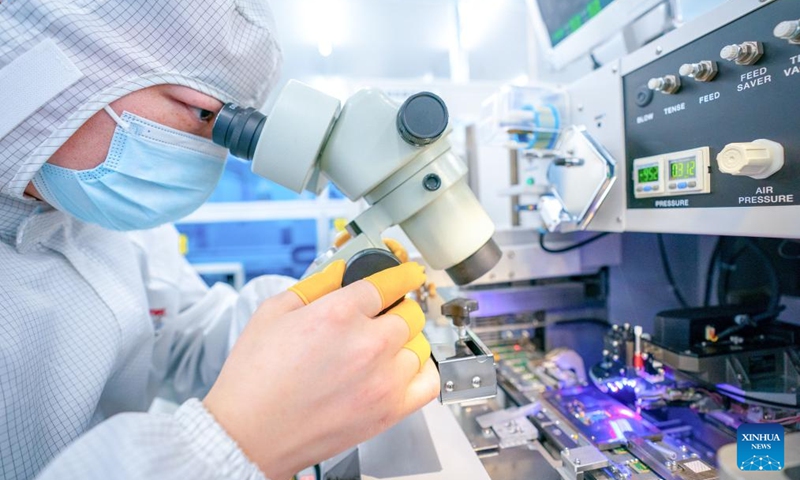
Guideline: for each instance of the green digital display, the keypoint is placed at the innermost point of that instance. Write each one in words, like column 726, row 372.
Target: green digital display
column 565, row 17
column 683, row 168
column 648, row 174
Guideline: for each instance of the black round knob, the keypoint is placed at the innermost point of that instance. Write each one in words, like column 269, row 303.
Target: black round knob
column 644, row 96
column 431, row 182
column 422, row 119
column 369, row 262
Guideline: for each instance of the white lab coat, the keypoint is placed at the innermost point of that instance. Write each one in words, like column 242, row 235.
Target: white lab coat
column 94, row 324
column 79, row 349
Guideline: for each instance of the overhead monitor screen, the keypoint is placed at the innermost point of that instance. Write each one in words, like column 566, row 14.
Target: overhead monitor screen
column 565, row 17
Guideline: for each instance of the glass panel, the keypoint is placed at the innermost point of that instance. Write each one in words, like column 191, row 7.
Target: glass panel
column 284, row 247
column 239, row 184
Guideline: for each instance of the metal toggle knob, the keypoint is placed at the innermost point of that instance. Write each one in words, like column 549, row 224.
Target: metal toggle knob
column 667, row 84
column 704, row 71
column 745, row 53
column 788, row 30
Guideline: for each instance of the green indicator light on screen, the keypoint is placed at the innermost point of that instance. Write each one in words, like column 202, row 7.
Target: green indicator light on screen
column 594, row 8
column 648, row 174
column 530, row 181
column 575, row 22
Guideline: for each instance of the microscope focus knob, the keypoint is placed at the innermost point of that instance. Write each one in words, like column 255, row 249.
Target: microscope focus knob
column 422, row 119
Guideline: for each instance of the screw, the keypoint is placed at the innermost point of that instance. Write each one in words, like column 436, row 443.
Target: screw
column 577, row 461
column 659, row 50
column 449, row 386
column 431, row 182
column 476, row 382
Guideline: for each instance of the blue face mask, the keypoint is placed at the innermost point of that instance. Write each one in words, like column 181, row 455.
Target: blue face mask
column 152, row 175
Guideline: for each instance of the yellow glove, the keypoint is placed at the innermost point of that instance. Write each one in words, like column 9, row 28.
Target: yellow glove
column 392, row 283
column 321, row 283
column 393, row 245
column 397, row 249
column 410, row 311
column 421, row 347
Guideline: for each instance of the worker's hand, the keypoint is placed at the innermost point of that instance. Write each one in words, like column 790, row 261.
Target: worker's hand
column 321, row 283
column 397, row 249
column 305, row 382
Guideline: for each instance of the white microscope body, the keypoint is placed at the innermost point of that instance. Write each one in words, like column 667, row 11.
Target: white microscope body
column 396, row 157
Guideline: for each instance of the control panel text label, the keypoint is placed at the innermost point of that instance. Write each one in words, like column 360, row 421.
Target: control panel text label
column 764, row 196
column 671, row 203
column 644, row 118
column 710, row 97
column 754, row 78
column 675, row 108
column 767, row 199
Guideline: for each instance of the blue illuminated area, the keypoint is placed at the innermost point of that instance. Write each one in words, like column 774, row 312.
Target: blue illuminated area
column 284, row 247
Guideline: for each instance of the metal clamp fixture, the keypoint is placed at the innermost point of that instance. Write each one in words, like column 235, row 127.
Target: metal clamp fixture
column 466, row 367
column 577, row 461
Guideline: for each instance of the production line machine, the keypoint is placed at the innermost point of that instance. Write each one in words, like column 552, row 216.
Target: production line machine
column 695, row 133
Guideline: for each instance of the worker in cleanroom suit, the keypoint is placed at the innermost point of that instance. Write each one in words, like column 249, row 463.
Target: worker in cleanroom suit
column 107, row 110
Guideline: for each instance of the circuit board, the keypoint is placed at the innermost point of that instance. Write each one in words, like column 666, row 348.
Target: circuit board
column 598, row 417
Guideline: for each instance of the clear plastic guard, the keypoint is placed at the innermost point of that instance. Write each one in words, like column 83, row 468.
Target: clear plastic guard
column 527, row 118
column 579, row 185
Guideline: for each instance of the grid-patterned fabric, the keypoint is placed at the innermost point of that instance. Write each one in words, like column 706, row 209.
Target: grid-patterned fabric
column 188, row 445
column 224, row 48
column 78, row 345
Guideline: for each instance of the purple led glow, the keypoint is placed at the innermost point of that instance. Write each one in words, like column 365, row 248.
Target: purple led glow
column 618, row 385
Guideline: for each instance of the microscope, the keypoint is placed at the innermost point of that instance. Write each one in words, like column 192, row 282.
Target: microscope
column 398, row 159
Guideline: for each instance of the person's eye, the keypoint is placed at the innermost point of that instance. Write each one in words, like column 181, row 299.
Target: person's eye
column 204, row 115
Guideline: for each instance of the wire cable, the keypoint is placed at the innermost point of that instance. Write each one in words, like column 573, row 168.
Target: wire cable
column 668, row 271
column 712, row 266
column 728, row 266
column 782, row 249
column 571, row 247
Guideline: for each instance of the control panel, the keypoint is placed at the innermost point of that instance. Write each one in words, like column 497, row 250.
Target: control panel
column 715, row 123
column 679, row 173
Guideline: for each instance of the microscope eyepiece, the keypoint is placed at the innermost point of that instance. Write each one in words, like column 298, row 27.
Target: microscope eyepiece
column 238, row 129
